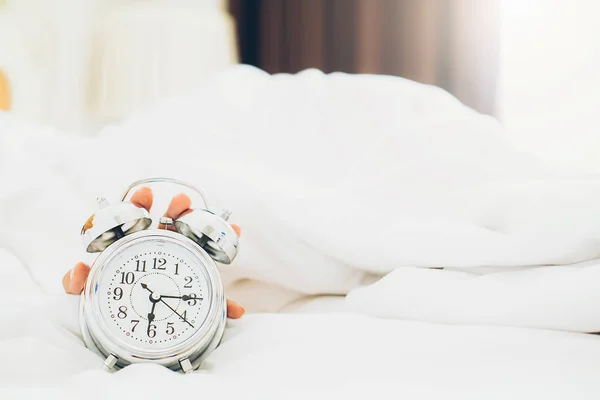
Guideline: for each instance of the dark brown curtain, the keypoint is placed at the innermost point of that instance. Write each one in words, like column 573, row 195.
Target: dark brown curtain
column 449, row 43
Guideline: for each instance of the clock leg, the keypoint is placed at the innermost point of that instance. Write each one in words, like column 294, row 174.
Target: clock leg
column 186, row 365
column 110, row 362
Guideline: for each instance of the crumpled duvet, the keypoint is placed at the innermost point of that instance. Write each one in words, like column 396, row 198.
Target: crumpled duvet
column 412, row 208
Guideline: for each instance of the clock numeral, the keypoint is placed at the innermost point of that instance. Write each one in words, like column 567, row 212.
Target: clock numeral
column 139, row 264
column 184, row 315
column 122, row 312
column 151, row 331
column 135, row 323
column 127, row 278
column 159, row 263
column 176, row 269
column 193, row 299
column 170, row 329
column 188, row 282
column 118, row 293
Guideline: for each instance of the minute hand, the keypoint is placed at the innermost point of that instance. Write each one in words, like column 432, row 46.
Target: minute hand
column 172, row 309
column 185, row 297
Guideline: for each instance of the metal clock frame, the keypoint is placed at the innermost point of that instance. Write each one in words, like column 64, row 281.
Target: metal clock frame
column 186, row 356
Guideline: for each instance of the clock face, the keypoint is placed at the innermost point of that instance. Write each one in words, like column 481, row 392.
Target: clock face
column 154, row 294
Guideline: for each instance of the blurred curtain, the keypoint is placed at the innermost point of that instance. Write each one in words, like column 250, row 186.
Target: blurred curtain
column 449, row 43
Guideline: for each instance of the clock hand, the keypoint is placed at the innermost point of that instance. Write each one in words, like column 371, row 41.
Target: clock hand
column 185, row 297
column 172, row 309
column 146, row 287
column 153, row 299
column 151, row 315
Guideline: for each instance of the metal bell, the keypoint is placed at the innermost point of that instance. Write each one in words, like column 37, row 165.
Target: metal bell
column 112, row 222
column 210, row 231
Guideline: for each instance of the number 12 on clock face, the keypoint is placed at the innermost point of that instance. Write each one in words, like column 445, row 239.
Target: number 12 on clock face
column 157, row 264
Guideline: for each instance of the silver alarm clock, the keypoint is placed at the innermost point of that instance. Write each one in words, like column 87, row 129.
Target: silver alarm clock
column 154, row 294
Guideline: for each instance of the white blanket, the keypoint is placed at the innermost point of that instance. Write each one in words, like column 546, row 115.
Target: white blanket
column 352, row 186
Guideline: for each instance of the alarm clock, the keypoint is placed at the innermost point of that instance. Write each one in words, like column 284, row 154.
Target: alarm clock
column 154, row 294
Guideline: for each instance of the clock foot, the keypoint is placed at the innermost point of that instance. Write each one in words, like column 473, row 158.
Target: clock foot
column 110, row 362
column 186, row 365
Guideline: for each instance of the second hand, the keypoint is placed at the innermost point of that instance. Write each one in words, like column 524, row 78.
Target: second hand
column 172, row 309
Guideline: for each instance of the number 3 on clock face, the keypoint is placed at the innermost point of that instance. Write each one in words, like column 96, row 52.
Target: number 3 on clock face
column 153, row 295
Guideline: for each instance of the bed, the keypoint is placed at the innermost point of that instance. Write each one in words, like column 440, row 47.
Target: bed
column 395, row 245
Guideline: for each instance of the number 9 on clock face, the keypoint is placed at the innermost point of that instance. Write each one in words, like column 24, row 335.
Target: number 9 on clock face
column 153, row 295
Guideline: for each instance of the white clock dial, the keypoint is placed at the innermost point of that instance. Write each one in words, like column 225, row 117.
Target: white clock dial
column 154, row 295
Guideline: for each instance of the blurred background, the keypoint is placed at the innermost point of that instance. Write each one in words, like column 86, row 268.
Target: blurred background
column 81, row 64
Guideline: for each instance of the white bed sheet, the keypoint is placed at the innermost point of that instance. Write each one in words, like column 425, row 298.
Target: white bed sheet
column 323, row 355
column 360, row 311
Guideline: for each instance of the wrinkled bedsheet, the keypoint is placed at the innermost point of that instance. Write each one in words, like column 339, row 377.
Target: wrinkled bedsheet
column 394, row 244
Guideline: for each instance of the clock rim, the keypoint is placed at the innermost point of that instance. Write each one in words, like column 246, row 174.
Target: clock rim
column 96, row 334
